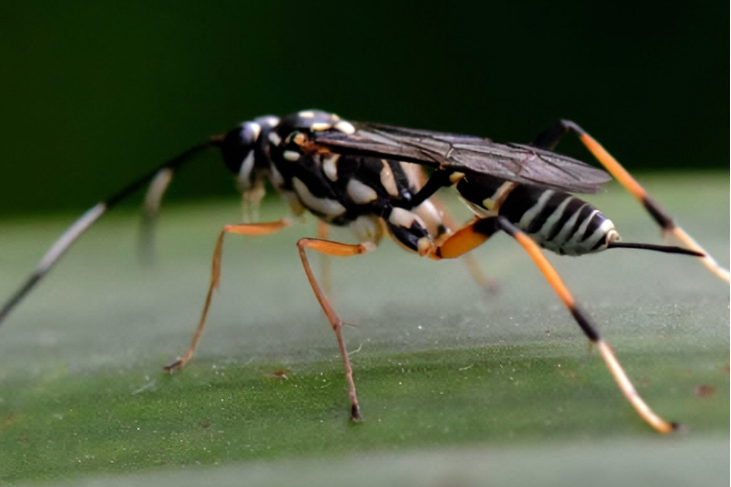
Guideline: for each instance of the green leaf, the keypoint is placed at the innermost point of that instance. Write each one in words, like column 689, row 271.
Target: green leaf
column 457, row 387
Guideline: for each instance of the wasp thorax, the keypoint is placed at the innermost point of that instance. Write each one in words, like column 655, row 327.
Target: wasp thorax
column 313, row 121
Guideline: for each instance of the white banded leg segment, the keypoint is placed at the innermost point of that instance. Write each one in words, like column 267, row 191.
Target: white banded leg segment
column 661, row 216
column 677, row 233
column 629, row 391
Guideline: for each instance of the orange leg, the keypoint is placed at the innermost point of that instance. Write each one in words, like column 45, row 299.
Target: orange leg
column 337, row 249
column 245, row 229
column 490, row 286
column 323, row 229
column 464, row 240
column 479, row 231
column 550, row 139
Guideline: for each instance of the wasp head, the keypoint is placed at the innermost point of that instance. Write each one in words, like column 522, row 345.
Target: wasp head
column 245, row 149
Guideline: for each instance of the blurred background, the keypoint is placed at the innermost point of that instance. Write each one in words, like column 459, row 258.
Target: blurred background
column 95, row 93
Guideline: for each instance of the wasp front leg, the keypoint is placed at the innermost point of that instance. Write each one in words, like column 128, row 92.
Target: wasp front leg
column 550, row 139
column 245, row 229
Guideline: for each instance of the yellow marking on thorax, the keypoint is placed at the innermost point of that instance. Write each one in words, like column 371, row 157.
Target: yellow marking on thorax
column 494, row 202
column 388, row 181
column 455, row 177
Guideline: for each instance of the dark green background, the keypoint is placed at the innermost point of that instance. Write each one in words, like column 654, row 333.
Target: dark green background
column 94, row 93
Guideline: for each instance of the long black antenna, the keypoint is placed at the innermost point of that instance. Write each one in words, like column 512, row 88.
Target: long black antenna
column 64, row 242
column 668, row 249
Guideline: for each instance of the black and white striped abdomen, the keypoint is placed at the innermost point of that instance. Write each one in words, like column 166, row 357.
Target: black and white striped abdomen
column 558, row 221
column 555, row 220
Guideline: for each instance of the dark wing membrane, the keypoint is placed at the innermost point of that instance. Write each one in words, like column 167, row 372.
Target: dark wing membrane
column 513, row 162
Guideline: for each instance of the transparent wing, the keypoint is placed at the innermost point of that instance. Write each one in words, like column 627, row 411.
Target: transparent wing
column 513, row 162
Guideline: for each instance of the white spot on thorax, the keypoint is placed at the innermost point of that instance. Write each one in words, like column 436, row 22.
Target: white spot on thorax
column 306, row 114
column 345, row 127
column 430, row 215
column 360, row 193
column 330, row 167
column 292, row 156
column 274, row 138
column 318, row 126
column 404, row 218
column 325, row 206
column 414, row 174
column 388, row 181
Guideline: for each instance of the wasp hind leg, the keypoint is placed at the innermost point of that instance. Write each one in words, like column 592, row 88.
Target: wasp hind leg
column 671, row 230
column 479, row 231
column 489, row 285
column 335, row 249
column 245, row 229
column 440, row 223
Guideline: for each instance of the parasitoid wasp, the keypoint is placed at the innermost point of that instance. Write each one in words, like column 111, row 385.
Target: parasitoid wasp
column 370, row 178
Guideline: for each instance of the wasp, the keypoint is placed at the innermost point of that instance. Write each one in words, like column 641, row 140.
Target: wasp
column 370, row 177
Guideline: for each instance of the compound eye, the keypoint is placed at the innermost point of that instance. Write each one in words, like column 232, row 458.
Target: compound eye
column 238, row 145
